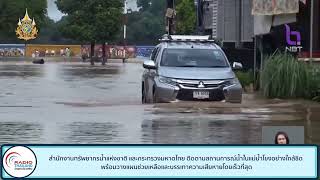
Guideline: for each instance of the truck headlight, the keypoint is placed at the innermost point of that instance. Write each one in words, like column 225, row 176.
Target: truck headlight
column 231, row 82
column 167, row 80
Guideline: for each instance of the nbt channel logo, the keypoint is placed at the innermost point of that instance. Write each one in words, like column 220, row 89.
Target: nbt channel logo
column 293, row 45
column 19, row 161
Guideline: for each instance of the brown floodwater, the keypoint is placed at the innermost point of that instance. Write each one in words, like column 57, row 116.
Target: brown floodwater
column 78, row 103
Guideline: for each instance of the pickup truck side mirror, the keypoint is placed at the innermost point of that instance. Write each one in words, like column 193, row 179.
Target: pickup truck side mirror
column 148, row 64
column 237, row 66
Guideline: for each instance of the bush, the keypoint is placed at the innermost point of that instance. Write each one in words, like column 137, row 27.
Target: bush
column 284, row 76
column 315, row 83
column 245, row 78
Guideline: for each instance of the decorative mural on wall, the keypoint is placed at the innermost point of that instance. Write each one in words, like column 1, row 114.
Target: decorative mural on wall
column 112, row 52
column 12, row 50
column 42, row 50
column 119, row 52
column 37, row 50
column 144, row 51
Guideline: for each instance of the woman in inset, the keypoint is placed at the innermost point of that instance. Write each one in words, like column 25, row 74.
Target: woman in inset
column 281, row 138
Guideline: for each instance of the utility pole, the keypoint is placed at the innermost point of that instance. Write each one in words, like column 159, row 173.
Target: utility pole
column 170, row 15
column 125, row 19
column 199, row 16
column 311, row 30
column 240, row 24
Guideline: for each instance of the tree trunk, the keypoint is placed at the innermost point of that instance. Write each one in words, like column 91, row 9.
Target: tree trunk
column 104, row 58
column 92, row 53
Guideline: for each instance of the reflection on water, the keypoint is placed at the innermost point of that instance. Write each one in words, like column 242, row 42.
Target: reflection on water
column 86, row 133
column 84, row 71
column 201, row 131
column 230, row 125
column 24, row 71
column 20, row 132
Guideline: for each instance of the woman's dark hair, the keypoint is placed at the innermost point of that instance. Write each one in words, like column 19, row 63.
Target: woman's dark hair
column 281, row 133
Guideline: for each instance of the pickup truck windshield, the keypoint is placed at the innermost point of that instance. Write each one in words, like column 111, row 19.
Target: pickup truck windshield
column 205, row 58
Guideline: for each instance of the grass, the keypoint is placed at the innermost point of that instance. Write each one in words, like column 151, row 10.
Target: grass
column 315, row 86
column 245, row 78
column 284, row 76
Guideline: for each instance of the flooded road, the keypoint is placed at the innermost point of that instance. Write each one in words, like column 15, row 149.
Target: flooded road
column 77, row 103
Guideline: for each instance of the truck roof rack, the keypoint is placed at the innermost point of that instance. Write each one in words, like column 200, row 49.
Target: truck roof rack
column 185, row 38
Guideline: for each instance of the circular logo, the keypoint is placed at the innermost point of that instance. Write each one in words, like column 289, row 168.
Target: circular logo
column 19, row 161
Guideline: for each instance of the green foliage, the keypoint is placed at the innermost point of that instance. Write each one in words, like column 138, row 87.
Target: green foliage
column 148, row 25
column 186, row 17
column 245, row 78
column 50, row 34
column 315, row 83
column 11, row 11
column 317, row 98
column 285, row 77
column 91, row 20
column 144, row 4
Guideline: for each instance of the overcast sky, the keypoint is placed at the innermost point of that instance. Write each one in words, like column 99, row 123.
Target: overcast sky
column 56, row 15
column 53, row 11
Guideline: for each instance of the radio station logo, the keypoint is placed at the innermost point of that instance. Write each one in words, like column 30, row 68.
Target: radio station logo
column 19, row 161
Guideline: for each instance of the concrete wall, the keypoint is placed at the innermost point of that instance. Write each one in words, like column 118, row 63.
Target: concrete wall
column 227, row 21
column 247, row 21
column 234, row 20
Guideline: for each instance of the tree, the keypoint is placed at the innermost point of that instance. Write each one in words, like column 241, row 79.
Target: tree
column 186, row 17
column 11, row 11
column 50, row 33
column 144, row 4
column 92, row 21
column 148, row 25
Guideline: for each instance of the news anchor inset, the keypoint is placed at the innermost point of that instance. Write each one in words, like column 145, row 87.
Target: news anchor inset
column 281, row 138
